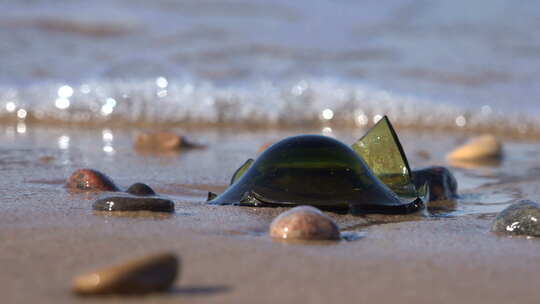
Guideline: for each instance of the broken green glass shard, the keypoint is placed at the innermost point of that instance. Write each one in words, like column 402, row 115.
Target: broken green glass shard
column 313, row 170
column 240, row 171
column 381, row 150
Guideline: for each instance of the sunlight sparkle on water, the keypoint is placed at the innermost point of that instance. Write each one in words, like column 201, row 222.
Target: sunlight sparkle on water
column 63, row 142
column 65, row 91
column 327, row 131
column 11, row 106
column 22, row 113
column 299, row 88
column 62, row 103
column 361, row 119
column 21, row 128
column 461, row 121
column 108, row 107
column 162, row 93
column 85, row 89
column 108, row 149
column 327, row 114
column 162, row 82
column 107, row 135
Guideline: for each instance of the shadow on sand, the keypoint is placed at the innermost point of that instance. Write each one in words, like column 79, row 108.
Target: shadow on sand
column 200, row 290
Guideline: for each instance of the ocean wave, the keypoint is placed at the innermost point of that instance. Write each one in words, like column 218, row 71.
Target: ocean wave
column 306, row 103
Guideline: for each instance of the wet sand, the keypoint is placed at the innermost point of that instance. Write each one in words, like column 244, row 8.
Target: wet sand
column 444, row 254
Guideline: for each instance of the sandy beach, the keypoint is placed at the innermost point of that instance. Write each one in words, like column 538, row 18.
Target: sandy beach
column 444, row 254
column 80, row 79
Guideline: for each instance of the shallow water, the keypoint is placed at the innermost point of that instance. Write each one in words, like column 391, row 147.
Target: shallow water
column 41, row 159
column 48, row 235
column 435, row 64
column 280, row 70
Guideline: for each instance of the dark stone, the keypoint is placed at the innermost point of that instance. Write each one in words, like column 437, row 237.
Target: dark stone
column 155, row 273
column 132, row 203
column 90, row 180
column 521, row 218
column 211, row 196
column 140, row 189
column 442, row 183
column 164, row 141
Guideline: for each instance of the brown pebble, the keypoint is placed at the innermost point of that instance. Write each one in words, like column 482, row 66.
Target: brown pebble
column 265, row 146
column 304, row 223
column 90, row 180
column 478, row 148
column 144, row 275
column 46, row 159
column 163, row 141
column 423, row 154
column 476, row 164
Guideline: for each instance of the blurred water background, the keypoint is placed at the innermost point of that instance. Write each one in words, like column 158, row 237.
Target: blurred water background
column 472, row 65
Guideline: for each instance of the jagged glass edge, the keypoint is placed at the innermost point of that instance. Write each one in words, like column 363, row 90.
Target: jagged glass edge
column 241, row 170
column 398, row 144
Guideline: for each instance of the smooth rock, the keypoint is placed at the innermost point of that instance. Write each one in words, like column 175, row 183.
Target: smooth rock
column 133, row 203
column 423, row 154
column 442, row 183
column 304, row 223
column 478, row 148
column 140, row 189
column 47, row 158
column 144, row 275
column 476, row 164
column 521, row 218
column 163, row 141
column 90, row 180
column 265, row 146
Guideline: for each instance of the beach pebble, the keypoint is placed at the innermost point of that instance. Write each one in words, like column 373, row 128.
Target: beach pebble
column 144, row 275
column 304, row 223
column 163, row 141
column 265, row 146
column 140, row 189
column 521, row 218
column 90, row 180
column 478, row 148
column 423, row 154
column 46, row 159
column 442, row 183
column 132, row 203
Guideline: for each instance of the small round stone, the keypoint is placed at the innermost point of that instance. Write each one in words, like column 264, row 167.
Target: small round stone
column 478, row 148
column 144, row 275
column 133, row 203
column 140, row 189
column 521, row 218
column 442, row 183
column 163, row 141
column 423, row 154
column 90, row 180
column 304, row 223
column 265, row 146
